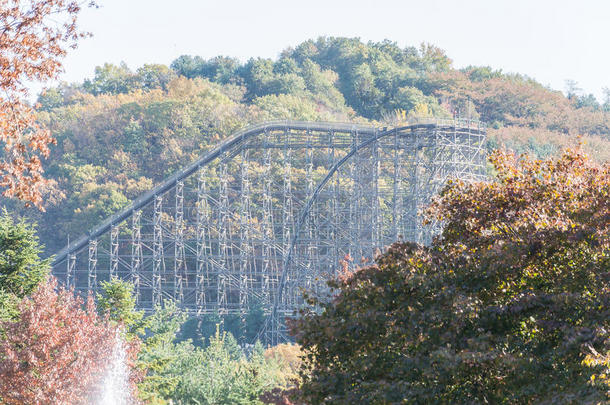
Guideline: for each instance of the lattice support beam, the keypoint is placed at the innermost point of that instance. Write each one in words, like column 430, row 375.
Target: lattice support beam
column 158, row 265
column 203, row 248
column 92, row 266
column 223, row 241
column 114, row 250
column 136, row 253
column 179, row 254
column 267, row 230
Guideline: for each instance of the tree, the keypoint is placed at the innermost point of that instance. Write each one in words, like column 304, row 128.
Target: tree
column 21, row 268
column 117, row 301
column 112, row 79
column 433, row 58
column 159, row 352
column 34, row 36
column 587, row 101
column 606, row 104
column 188, row 66
column 55, row 351
column 155, row 76
column 510, row 304
column 572, row 89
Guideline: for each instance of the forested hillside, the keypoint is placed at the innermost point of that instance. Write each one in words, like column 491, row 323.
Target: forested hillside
column 122, row 131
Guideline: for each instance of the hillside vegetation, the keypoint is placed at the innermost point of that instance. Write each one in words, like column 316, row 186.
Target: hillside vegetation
column 123, row 131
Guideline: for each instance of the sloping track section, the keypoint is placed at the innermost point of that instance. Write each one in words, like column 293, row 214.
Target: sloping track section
column 271, row 211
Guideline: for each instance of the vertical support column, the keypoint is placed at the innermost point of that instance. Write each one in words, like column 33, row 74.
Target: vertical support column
column 203, row 250
column 70, row 269
column 432, row 162
column 312, row 226
column 92, row 266
column 354, row 203
column 158, row 256
column 267, row 230
column 376, row 211
column 114, row 250
column 411, row 151
column 334, row 212
column 360, row 207
column 479, row 151
column 179, row 263
column 456, row 153
column 287, row 221
column 244, row 241
column 418, row 152
column 136, row 252
column 223, row 249
column 396, row 193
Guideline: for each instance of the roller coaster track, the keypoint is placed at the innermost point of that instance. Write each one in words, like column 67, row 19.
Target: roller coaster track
column 270, row 211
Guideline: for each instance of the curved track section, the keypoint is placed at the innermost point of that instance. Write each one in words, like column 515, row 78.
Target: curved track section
column 271, row 211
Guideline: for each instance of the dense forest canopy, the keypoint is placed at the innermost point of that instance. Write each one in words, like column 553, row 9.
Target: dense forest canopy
column 122, row 131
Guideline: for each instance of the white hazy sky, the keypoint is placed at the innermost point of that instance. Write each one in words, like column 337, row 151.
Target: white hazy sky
column 549, row 40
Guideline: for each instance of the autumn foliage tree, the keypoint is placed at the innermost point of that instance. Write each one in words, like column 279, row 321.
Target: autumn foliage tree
column 56, row 351
column 510, row 304
column 34, row 37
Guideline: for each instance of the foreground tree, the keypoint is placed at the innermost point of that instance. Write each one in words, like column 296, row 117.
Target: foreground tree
column 117, row 300
column 34, row 36
column 55, row 351
column 511, row 304
column 21, row 268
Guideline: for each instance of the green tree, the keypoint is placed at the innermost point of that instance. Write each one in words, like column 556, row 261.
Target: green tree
column 258, row 76
column 155, row 76
column 159, row 352
column 117, row 300
column 511, row 304
column 587, row 101
column 111, row 79
column 21, row 268
column 51, row 98
column 572, row 89
column 407, row 98
column 606, row 104
column 188, row 66
column 221, row 69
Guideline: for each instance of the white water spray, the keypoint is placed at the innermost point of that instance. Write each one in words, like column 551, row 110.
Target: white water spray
column 115, row 387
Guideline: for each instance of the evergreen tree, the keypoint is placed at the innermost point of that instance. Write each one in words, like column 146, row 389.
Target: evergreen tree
column 21, row 268
column 117, row 300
